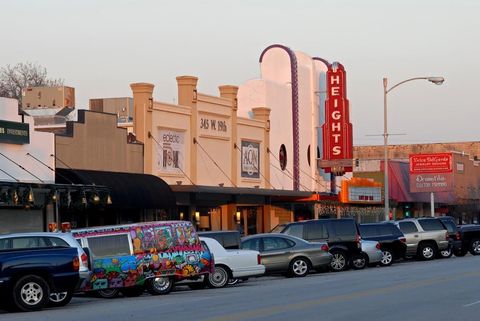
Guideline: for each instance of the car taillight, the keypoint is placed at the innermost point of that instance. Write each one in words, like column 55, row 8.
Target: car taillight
column 76, row 263
column 402, row 239
column 259, row 259
column 358, row 240
column 457, row 236
column 325, row 247
column 447, row 237
column 378, row 246
column 84, row 258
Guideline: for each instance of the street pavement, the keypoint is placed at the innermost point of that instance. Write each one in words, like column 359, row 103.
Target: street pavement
column 445, row 289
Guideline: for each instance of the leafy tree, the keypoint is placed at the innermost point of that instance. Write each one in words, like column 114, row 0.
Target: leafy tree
column 22, row 75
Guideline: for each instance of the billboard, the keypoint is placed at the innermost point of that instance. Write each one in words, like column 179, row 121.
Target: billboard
column 337, row 129
column 172, row 151
column 250, row 159
column 431, row 173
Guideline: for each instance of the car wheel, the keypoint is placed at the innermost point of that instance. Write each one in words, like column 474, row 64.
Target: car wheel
column 219, row 278
column 339, row 261
column 359, row 262
column 445, row 254
column 427, row 251
column 60, row 299
column 475, row 247
column 133, row 291
column 107, row 293
column 160, row 285
column 299, row 267
column 387, row 258
column 233, row 281
column 30, row 293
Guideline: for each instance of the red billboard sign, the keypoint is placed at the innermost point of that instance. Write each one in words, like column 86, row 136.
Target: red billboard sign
column 430, row 163
column 431, row 172
column 337, row 129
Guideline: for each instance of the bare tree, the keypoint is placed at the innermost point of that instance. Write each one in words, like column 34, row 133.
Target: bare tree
column 22, row 75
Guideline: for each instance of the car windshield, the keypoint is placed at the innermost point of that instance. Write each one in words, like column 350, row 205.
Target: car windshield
column 278, row 229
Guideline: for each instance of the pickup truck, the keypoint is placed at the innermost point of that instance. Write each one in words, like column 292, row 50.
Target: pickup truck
column 470, row 236
column 28, row 276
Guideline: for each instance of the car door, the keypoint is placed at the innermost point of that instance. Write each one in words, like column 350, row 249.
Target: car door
column 412, row 236
column 276, row 252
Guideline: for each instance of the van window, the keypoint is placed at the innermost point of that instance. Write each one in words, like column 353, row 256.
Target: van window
column 295, row 230
column 451, row 227
column 344, row 228
column 368, row 230
column 408, row 227
column 109, row 245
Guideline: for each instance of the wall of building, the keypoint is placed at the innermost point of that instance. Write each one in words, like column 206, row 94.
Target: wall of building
column 41, row 146
column 94, row 142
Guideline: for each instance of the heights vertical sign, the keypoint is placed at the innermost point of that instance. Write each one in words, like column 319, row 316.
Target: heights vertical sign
column 337, row 129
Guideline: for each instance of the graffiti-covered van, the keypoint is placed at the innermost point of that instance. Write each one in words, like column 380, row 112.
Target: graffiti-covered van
column 153, row 255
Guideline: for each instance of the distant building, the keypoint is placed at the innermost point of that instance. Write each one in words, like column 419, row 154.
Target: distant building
column 122, row 107
column 48, row 97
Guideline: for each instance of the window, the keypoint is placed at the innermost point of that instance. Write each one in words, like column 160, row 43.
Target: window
column 431, row 225
column 408, row 227
column 55, row 241
column 109, row 245
column 386, row 229
column 282, row 157
column 451, row 227
column 317, row 230
column 275, row 243
column 253, row 244
column 295, row 230
column 344, row 228
column 368, row 230
column 205, row 246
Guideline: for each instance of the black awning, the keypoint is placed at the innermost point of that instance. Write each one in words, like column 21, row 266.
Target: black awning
column 127, row 190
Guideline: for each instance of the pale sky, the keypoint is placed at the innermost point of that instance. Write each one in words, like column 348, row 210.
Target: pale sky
column 100, row 47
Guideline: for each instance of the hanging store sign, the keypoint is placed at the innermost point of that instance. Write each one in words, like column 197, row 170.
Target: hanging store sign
column 250, row 159
column 431, row 172
column 14, row 133
column 337, row 129
column 171, row 151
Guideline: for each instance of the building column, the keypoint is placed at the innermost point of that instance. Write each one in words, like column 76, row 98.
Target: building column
column 263, row 113
column 142, row 121
column 230, row 92
column 187, row 96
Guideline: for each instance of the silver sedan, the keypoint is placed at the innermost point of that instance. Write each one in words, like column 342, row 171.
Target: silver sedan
column 283, row 253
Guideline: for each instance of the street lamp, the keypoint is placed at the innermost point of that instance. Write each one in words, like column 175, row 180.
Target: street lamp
column 436, row 81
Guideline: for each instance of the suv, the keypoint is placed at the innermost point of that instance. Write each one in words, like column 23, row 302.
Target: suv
column 47, row 240
column 230, row 240
column 425, row 237
column 454, row 234
column 341, row 235
column 391, row 239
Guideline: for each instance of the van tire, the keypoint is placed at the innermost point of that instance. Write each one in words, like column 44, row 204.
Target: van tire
column 339, row 261
column 106, row 293
column 159, row 285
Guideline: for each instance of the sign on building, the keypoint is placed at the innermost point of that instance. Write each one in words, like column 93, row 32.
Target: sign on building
column 250, row 159
column 431, row 172
column 14, row 132
column 361, row 191
column 172, row 151
column 337, row 129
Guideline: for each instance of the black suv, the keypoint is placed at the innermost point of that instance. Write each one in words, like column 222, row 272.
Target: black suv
column 391, row 239
column 454, row 235
column 228, row 239
column 341, row 235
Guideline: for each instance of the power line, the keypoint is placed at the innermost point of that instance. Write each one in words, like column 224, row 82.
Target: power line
column 53, row 170
column 159, row 145
column 195, row 141
column 26, row 170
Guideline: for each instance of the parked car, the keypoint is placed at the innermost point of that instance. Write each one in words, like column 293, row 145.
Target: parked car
column 29, row 273
column 231, row 264
column 341, row 235
column 373, row 254
column 470, row 237
column 391, row 239
column 454, row 235
column 151, row 255
column 49, row 239
column 282, row 253
column 230, row 240
column 425, row 237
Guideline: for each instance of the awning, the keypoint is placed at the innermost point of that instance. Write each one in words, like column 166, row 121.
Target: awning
column 127, row 190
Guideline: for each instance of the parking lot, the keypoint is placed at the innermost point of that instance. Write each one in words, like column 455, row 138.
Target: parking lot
column 445, row 289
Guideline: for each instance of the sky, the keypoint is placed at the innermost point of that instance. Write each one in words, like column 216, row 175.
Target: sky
column 100, row 47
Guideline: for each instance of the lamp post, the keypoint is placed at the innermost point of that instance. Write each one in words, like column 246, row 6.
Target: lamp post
column 436, row 81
